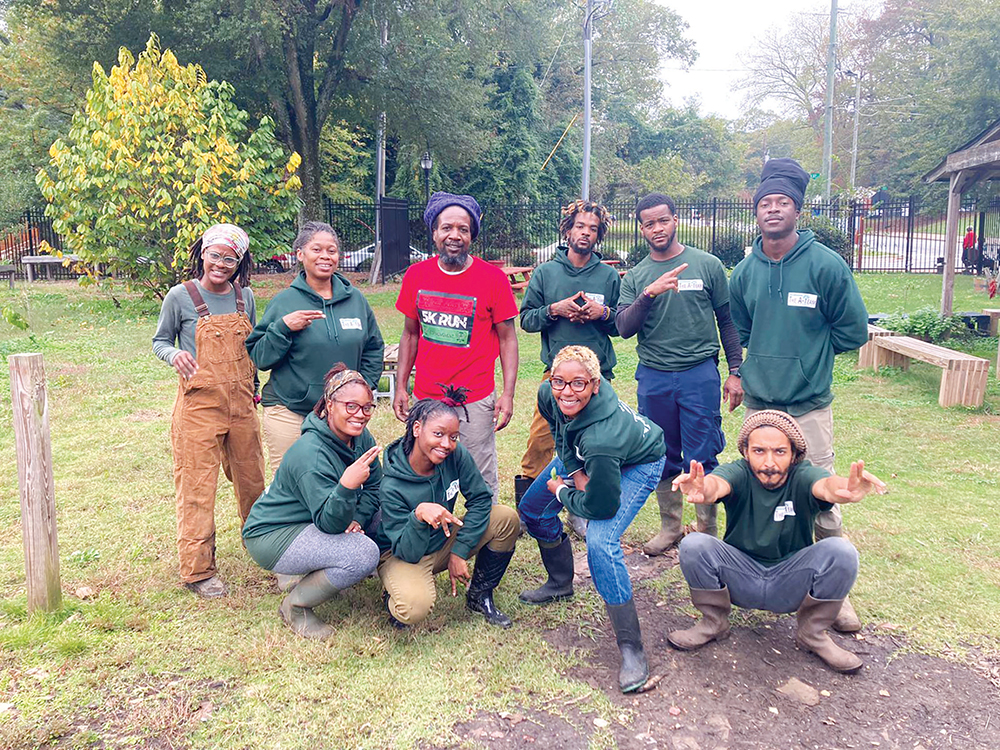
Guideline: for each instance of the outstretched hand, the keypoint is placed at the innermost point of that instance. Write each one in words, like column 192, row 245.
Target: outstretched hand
column 859, row 484
column 692, row 483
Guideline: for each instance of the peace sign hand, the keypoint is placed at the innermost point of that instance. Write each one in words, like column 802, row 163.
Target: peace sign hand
column 692, row 484
column 356, row 474
column 860, row 483
column 666, row 282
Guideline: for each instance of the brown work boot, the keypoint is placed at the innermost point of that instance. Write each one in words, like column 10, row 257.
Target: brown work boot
column 296, row 607
column 815, row 616
column 671, row 504
column 847, row 620
column 209, row 588
column 714, row 606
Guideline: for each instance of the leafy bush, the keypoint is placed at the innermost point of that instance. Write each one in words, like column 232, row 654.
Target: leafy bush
column 830, row 235
column 926, row 323
column 639, row 251
column 730, row 247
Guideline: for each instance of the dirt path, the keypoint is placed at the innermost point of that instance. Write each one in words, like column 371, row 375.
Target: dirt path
column 725, row 695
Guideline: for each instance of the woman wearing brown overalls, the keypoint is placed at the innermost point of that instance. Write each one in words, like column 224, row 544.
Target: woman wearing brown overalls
column 201, row 333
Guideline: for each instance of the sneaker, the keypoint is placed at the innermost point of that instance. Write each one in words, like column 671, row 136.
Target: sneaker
column 210, row 588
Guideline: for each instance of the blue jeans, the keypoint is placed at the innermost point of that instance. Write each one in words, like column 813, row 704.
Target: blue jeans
column 685, row 405
column 826, row 569
column 539, row 509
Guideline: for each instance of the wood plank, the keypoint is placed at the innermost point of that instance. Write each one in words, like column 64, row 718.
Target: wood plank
column 34, row 474
column 978, row 156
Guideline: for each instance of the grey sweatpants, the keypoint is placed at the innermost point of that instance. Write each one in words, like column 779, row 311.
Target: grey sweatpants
column 345, row 558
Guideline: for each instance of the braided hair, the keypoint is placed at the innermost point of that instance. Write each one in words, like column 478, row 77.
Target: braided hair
column 571, row 210
column 241, row 274
column 453, row 398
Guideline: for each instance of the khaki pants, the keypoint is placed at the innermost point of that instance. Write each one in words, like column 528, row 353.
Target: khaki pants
column 282, row 427
column 479, row 437
column 540, row 446
column 817, row 427
column 411, row 587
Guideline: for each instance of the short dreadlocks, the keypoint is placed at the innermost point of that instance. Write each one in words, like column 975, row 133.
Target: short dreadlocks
column 571, row 210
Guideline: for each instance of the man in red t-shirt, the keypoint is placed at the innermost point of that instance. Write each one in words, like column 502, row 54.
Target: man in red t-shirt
column 460, row 314
column 969, row 249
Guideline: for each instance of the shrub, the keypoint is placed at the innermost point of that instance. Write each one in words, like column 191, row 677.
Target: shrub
column 635, row 255
column 831, row 236
column 926, row 323
column 730, row 247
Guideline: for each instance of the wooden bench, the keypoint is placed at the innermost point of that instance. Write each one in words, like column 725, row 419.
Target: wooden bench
column 994, row 317
column 9, row 272
column 46, row 261
column 390, row 359
column 866, row 354
column 963, row 380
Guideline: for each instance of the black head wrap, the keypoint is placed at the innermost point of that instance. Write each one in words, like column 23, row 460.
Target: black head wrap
column 782, row 177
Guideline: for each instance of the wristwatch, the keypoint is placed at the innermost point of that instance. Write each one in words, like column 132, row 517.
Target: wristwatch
column 735, row 372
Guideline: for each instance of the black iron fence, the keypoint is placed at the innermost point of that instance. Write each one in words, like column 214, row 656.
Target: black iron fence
column 897, row 235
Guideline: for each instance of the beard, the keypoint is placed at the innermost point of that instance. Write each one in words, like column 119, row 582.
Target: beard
column 453, row 261
column 665, row 244
column 584, row 250
column 771, row 478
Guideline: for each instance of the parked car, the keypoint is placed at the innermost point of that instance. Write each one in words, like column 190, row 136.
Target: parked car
column 361, row 259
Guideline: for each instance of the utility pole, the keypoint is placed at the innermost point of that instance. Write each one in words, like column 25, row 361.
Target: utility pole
column 857, row 113
column 594, row 10
column 376, row 268
column 831, row 62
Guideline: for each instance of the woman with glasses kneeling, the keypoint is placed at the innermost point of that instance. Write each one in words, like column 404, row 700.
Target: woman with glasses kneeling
column 311, row 521
column 420, row 535
column 613, row 458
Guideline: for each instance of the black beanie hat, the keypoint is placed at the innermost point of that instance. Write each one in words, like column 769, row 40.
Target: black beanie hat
column 782, row 177
column 440, row 201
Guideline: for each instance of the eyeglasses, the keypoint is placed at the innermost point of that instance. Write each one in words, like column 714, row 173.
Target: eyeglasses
column 227, row 260
column 353, row 406
column 577, row 386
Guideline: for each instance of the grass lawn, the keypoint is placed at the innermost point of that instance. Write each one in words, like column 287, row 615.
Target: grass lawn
column 144, row 663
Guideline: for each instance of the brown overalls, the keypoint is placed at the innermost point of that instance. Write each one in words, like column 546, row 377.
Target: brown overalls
column 214, row 421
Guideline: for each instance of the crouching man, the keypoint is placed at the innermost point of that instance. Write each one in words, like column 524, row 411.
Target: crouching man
column 767, row 559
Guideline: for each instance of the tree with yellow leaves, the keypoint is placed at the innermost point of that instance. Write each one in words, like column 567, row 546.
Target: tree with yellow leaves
column 158, row 154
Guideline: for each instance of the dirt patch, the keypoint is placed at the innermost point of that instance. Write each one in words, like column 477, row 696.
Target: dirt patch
column 725, row 695
column 144, row 415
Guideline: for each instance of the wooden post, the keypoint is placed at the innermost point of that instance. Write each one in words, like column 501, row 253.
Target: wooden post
column 34, row 474
column 950, row 240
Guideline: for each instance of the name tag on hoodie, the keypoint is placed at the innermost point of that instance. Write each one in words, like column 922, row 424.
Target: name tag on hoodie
column 452, row 490
column 784, row 511
column 802, row 299
column 595, row 296
column 350, row 324
column 690, row 285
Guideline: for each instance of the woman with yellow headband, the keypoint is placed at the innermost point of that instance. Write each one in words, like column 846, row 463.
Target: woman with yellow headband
column 312, row 520
column 201, row 333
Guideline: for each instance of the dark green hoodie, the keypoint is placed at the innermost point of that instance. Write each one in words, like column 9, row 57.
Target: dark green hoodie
column 298, row 360
column 306, row 489
column 403, row 490
column 558, row 279
column 793, row 316
column 602, row 439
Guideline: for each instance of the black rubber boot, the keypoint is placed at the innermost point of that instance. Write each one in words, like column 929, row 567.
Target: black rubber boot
column 634, row 670
column 392, row 620
column 558, row 562
column 521, row 485
column 490, row 567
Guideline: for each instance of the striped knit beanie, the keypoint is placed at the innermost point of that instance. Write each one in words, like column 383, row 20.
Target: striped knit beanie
column 778, row 420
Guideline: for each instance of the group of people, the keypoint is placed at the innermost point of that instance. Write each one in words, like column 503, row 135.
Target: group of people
column 335, row 513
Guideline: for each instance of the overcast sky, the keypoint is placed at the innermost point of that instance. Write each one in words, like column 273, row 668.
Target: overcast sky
column 723, row 30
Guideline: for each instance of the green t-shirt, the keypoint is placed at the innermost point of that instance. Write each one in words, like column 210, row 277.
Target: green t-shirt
column 771, row 525
column 680, row 330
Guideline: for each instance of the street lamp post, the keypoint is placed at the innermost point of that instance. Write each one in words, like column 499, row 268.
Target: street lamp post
column 426, row 164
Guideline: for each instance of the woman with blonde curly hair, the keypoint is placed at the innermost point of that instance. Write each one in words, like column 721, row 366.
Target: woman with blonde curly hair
column 612, row 457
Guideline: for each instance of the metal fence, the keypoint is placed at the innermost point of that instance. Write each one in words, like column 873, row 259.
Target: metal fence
column 897, row 235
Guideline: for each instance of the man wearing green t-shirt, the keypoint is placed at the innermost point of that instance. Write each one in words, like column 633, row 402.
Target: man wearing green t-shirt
column 677, row 301
column 768, row 559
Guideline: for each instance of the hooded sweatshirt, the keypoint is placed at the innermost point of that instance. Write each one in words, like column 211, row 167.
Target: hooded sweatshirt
column 306, row 489
column 604, row 438
column 793, row 316
column 298, row 360
column 403, row 490
column 558, row 279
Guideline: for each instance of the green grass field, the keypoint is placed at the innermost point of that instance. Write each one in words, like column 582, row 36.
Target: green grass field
column 145, row 663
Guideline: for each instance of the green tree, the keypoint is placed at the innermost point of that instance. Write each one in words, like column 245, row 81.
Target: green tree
column 158, row 154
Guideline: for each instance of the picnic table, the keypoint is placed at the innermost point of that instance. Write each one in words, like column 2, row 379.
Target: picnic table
column 518, row 276
column 47, row 261
column 8, row 271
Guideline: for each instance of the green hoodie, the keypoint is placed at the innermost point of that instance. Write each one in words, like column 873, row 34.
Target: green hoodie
column 558, row 279
column 298, row 360
column 403, row 490
column 793, row 316
column 306, row 489
column 602, row 439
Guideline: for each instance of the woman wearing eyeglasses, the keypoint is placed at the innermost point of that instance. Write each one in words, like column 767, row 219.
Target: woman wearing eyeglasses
column 320, row 319
column 311, row 520
column 612, row 457
column 202, row 331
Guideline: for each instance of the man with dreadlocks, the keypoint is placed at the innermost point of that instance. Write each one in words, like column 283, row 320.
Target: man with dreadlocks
column 571, row 300
column 201, row 332
column 677, row 301
column 420, row 535
column 768, row 559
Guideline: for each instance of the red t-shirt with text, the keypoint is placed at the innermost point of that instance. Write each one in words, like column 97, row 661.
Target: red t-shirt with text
column 457, row 314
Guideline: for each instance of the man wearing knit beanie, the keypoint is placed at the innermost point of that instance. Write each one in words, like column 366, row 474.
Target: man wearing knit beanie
column 460, row 314
column 796, row 305
column 767, row 559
